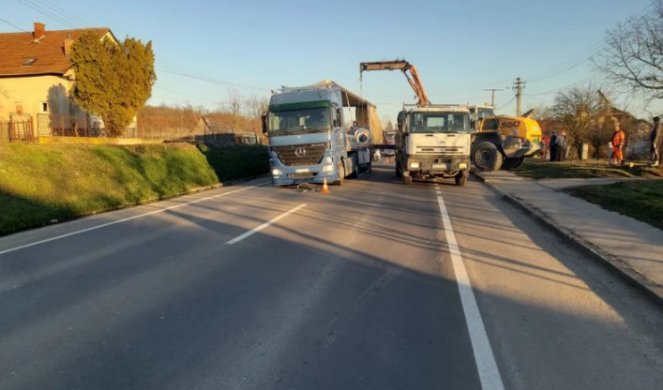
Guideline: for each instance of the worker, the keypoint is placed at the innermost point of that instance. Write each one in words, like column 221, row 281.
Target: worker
column 655, row 138
column 562, row 146
column 618, row 138
column 553, row 146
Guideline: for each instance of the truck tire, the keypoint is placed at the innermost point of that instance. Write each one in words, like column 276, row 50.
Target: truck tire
column 461, row 178
column 486, row 157
column 407, row 180
column 512, row 163
column 341, row 174
column 355, row 168
column 397, row 170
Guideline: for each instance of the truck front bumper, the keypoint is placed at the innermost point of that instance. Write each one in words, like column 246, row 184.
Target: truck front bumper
column 444, row 166
column 283, row 175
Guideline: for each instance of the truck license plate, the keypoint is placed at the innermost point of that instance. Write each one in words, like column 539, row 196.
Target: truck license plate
column 439, row 166
column 302, row 170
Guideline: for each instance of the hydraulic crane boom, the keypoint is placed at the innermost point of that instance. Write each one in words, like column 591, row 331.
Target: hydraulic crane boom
column 408, row 70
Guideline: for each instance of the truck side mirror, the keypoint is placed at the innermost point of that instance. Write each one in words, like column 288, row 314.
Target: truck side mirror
column 263, row 120
column 339, row 119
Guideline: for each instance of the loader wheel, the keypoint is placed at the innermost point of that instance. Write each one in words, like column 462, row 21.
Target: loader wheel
column 486, row 157
column 461, row 178
column 512, row 163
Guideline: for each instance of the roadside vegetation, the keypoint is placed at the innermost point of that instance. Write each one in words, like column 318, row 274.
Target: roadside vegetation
column 238, row 161
column 42, row 184
column 537, row 169
column 642, row 200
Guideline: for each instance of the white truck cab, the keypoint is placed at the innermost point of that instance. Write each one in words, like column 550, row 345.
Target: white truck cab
column 433, row 141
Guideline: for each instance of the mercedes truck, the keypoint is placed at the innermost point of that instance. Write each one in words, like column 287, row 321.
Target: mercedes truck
column 319, row 132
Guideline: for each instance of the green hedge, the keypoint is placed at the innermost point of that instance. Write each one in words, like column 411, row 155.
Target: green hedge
column 238, row 161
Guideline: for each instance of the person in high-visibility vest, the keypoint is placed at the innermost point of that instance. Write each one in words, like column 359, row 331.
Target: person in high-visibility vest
column 618, row 138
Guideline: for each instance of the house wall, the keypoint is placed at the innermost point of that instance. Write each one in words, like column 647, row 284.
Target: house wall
column 31, row 92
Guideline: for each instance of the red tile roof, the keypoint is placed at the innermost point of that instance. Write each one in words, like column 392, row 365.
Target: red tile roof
column 18, row 48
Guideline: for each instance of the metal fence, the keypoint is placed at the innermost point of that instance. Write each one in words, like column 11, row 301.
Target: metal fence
column 17, row 131
column 65, row 125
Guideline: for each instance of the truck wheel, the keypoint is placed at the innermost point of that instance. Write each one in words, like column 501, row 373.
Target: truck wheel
column 397, row 170
column 341, row 174
column 461, row 178
column 486, row 157
column 355, row 168
column 512, row 163
column 407, row 180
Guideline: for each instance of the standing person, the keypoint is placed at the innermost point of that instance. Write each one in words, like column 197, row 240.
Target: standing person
column 618, row 138
column 561, row 146
column 553, row 146
column 655, row 139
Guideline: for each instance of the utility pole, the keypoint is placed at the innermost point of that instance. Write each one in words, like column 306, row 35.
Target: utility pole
column 518, row 85
column 492, row 97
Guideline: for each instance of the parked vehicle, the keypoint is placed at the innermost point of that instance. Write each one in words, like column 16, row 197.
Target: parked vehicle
column 319, row 132
column 501, row 141
column 433, row 141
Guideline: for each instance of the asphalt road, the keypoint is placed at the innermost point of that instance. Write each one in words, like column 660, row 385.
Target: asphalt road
column 375, row 286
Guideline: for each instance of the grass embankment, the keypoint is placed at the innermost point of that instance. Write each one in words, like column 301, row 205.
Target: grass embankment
column 642, row 200
column 41, row 184
column 538, row 169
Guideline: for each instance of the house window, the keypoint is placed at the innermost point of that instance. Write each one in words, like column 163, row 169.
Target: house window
column 29, row 61
column 44, row 107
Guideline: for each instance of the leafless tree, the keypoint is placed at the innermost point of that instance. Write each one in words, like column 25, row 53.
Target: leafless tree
column 633, row 56
column 577, row 110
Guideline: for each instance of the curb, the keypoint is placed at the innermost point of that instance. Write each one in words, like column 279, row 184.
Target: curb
column 653, row 291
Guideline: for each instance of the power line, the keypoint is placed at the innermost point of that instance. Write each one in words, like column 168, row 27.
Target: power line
column 63, row 12
column 583, row 57
column 13, row 25
column 47, row 13
column 67, row 18
column 215, row 81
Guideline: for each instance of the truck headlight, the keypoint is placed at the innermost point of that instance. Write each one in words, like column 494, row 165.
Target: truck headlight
column 276, row 172
column 462, row 166
column 328, row 160
column 414, row 165
column 328, row 167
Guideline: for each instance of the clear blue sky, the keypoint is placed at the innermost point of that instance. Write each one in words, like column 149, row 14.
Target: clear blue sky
column 459, row 48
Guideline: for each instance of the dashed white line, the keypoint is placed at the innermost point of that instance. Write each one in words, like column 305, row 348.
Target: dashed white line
column 103, row 225
column 264, row 225
column 489, row 375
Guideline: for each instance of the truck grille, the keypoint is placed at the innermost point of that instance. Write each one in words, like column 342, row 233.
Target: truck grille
column 292, row 154
column 440, row 150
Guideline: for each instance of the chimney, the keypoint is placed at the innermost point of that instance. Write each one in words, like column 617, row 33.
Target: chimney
column 68, row 42
column 40, row 31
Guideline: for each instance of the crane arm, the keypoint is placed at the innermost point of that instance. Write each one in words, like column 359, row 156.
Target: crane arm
column 409, row 71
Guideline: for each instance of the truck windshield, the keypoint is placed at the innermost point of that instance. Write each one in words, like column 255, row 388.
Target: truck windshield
column 440, row 122
column 301, row 121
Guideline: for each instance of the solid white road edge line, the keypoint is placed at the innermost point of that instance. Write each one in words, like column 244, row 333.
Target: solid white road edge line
column 264, row 225
column 483, row 353
column 103, row 225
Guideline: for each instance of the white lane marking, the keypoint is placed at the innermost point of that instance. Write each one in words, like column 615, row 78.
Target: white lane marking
column 264, row 225
column 483, row 353
column 103, row 225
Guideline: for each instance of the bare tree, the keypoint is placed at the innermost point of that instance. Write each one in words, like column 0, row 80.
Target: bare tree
column 633, row 56
column 577, row 110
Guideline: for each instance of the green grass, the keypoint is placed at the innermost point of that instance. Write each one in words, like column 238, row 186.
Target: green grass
column 538, row 169
column 642, row 200
column 41, row 184
column 236, row 162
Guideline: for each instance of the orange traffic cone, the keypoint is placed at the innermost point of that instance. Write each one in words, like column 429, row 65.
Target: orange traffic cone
column 325, row 187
